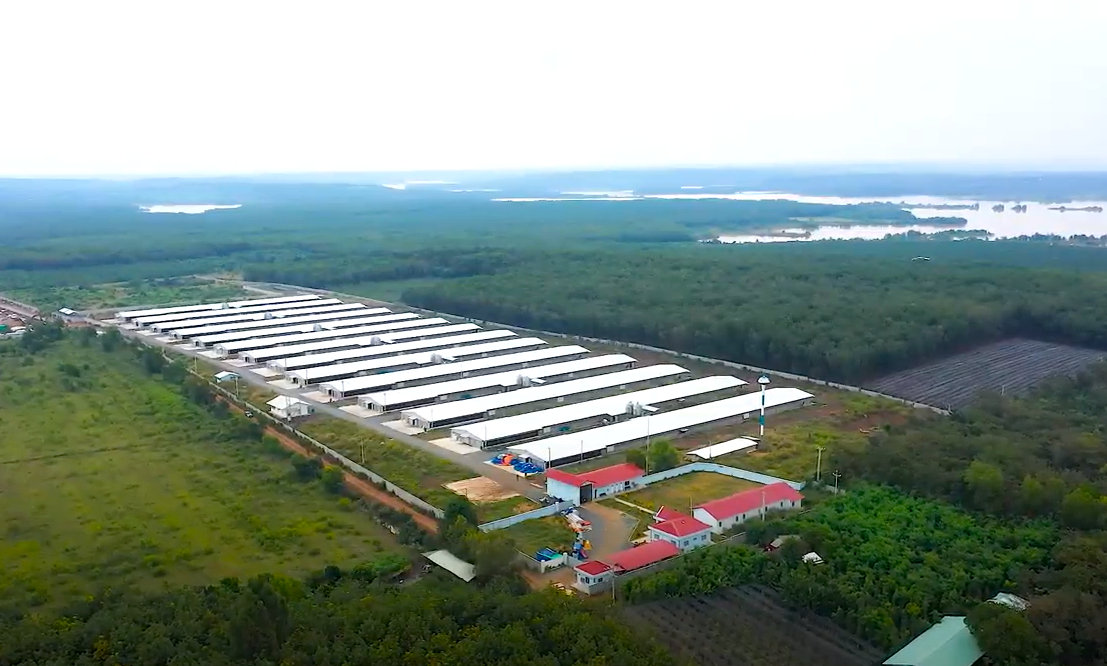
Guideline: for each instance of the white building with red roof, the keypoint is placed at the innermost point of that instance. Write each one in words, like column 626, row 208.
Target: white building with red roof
column 594, row 484
column 684, row 532
column 723, row 514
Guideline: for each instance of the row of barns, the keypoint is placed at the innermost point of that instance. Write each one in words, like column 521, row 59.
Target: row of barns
column 548, row 404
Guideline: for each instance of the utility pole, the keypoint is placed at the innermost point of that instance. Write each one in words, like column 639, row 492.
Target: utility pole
column 763, row 380
column 648, row 442
column 837, row 475
column 819, row 463
column 762, row 503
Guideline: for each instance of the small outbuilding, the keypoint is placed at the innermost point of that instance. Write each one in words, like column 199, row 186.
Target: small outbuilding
column 948, row 643
column 287, row 408
column 593, row 576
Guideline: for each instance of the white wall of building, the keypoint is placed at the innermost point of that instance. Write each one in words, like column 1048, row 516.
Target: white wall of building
column 684, row 543
column 720, row 526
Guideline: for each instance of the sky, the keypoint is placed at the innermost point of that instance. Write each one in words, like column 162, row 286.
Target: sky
column 236, row 86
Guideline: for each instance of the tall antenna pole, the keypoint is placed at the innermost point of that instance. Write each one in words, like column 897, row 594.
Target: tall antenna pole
column 819, row 463
column 763, row 380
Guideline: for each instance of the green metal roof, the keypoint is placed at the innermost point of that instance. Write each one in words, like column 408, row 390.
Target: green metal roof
column 948, row 643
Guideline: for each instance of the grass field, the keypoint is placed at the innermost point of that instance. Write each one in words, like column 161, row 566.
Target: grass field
column 533, row 535
column 688, row 490
column 166, row 291
column 489, row 511
column 417, row 472
column 108, row 476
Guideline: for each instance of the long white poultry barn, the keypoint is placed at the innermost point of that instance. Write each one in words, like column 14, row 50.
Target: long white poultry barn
column 344, row 327
column 131, row 315
column 240, row 346
column 317, row 374
column 402, row 398
column 334, row 330
column 458, row 411
column 372, row 354
column 352, row 372
column 162, row 322
column 532, row 425
column 334, row 351
column 193, row 327
column 590, row 443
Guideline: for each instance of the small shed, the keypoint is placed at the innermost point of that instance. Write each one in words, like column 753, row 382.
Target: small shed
column 287, row 408
column 224, row 376
column 452, row 563
column 948, row 643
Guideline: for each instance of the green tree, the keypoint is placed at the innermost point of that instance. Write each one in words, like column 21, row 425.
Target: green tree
column 636, row 457
column 307, row 469
column 333, row 479
column 1082, row 509
column 460, row 507
column 663, row 455
column 984, row 486
column 1006, row 636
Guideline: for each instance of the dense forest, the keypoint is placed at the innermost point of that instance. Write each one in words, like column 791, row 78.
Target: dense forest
column 822, row 314
column 335, row 618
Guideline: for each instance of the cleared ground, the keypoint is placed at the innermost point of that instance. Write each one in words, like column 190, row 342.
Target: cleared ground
column 748, row 626
column 688, row 490
column 1010, row 366
column 108, row 476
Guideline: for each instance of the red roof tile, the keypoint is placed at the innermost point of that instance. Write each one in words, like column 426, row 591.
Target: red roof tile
column 604, row 476
column 681, row 527
column 749, row 500
column 665, row 513
column 644, row 555
column 593, row 568
column 564, row 477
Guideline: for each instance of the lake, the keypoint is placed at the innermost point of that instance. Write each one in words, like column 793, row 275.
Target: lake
column 1038, row 218
column 187, row 209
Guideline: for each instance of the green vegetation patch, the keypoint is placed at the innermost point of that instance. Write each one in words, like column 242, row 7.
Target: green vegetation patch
column 683, row 492
column 531, row 536
column 892, row 562
column 489, row 511
column 152, row 292
column 111, row 478
column 417, row 472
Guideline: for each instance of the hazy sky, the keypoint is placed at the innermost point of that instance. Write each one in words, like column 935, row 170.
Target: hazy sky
column 155, row 86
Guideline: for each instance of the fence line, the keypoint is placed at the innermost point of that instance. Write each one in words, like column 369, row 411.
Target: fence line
column 541, row 512
column 399, row 492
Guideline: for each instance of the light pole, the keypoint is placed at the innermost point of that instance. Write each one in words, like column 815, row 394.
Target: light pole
column 763, row 380
column 837, row 475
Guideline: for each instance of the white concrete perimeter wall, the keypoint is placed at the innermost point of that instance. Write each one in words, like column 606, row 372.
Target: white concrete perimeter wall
column 735, row 472
column 542, row 512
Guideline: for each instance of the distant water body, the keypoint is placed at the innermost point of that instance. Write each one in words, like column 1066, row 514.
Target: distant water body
column 1037, row 219
column 188, row 209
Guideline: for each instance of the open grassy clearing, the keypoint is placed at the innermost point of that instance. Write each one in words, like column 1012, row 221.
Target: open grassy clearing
column 531, row 536
column 112, row 477
column 489, row 511
column 417, row 472
column 167, row 291
column 688, row 490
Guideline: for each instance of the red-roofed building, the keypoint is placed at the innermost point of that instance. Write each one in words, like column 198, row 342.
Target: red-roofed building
column 685, row 532
column 599, row 574
column 587, row 486
column 641, row 556
column 723, row 514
